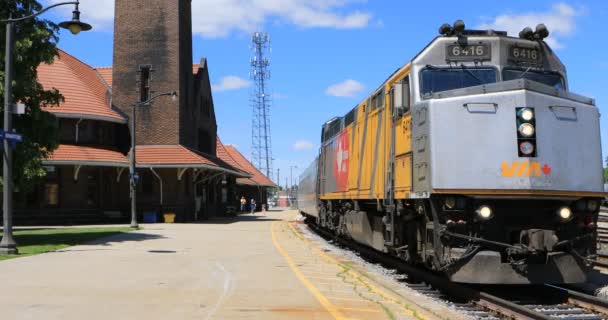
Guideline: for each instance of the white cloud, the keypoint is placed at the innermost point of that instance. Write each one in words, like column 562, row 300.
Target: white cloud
column 278, row 96
column 231, row 83
column 346, row 88
column 219, row 18
column 302, row 145
column 560, row 20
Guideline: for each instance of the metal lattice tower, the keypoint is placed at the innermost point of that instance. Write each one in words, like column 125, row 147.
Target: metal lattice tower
column 261, row 149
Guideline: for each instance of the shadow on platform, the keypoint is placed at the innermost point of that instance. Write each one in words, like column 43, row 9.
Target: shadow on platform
column 101, row 239
column 125, row 237
column 238, row 218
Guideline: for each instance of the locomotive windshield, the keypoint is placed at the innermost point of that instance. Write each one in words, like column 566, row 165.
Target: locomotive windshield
column 549, row 78
column 441, row 79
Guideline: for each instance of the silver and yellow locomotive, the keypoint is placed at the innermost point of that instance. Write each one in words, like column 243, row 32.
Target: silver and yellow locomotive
column 473, row 159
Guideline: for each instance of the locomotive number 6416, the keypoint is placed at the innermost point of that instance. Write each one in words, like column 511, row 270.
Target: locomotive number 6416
column 469, row 52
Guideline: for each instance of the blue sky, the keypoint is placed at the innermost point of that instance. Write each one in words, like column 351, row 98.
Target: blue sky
column 327, row 55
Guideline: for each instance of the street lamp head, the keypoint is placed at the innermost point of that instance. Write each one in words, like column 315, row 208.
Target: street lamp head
column 174, row 96
column 75, row 25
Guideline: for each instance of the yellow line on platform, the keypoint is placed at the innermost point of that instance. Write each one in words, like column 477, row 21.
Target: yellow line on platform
column 332, row 309
column 355, row 275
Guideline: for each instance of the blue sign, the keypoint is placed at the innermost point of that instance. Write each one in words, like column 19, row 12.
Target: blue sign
column 12, row 136
column 135, row 177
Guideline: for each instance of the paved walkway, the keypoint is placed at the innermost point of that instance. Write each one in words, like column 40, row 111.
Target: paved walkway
column 250, row 267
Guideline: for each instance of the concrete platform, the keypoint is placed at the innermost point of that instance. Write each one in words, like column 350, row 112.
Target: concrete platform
column 249, row 267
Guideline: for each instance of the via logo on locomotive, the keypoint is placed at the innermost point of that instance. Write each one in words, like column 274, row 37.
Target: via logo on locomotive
column 524, row 169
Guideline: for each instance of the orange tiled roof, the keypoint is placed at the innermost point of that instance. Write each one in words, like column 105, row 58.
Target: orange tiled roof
column 222, row 153
column 106, row 74
column 164, row 156
column 169, row 155
column 179, row 156
column 71, row 154
column 86, row 95
column 232, row 156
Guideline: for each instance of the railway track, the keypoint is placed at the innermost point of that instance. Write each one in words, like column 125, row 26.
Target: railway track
column 532, row 302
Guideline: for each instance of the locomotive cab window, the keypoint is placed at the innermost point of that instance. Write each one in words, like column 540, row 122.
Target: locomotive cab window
column 442, row 79
column 549, row 78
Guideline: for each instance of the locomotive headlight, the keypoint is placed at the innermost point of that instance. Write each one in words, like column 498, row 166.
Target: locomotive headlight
column 526, row 130
column 484, row 212
column 564, row 213
column 526, row 148
column 526, row 114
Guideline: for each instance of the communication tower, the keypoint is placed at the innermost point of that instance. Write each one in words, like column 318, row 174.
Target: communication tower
column 261, row 149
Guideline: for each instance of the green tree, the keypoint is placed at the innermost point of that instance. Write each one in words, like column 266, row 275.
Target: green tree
column 35, row 43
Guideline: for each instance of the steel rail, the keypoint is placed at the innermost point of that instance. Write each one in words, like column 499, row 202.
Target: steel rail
column 582, row 300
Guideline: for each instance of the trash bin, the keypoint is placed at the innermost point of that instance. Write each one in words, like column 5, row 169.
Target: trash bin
column 169, row 217
column 150, row 216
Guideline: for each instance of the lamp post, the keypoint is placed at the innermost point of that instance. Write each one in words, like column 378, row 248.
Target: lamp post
column 291, row 175
column 132, row 173
column 8, row 244
column 291, row 183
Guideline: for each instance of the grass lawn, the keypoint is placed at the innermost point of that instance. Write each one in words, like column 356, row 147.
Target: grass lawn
column 35, row 241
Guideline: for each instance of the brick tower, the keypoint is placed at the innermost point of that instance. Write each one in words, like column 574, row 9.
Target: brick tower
column 153, row 54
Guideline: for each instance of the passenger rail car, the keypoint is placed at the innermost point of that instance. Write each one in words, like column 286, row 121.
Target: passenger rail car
column 474, row 160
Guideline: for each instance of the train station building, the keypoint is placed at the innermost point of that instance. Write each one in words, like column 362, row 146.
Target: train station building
column 183, row 166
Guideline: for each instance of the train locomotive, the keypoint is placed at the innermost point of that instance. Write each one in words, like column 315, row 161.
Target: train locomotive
column 473, row 160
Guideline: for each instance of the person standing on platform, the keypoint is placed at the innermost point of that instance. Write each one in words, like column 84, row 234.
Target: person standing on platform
column 243, row 204
column 252, row 206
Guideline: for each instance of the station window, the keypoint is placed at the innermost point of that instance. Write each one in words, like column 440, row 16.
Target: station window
column 51, row 187
column 144, row 82
column 88, row 132
column 51, row 194
column 92, row 189
column 147, row 182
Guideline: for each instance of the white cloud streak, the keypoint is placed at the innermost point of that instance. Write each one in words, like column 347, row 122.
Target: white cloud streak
column 346, row 88
column 231, row 83
column 302, row 145
column 220, row 18
column 560, row 20
column 279, row 96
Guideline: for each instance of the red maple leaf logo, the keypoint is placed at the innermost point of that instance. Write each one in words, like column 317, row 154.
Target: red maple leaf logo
column 546, row 169
column 341, row 156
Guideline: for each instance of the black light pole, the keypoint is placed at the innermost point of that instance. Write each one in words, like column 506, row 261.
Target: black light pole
column 132, row 176
column 8, row 244
column 291, row 182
